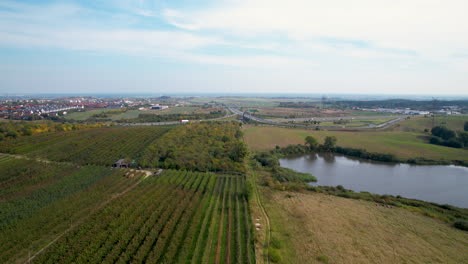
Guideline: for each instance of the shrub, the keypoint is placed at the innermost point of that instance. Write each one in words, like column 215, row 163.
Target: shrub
column 323, row 259
column 274, row 255
column 462, row 224
column 275, row 242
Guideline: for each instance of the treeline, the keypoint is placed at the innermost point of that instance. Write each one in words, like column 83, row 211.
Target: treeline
column 149, row 118
column 441, row 135
column 297, row 105
column 270, row 161
column 212, row 146
column 12, row 130
column 363, row 154
column 403, row 103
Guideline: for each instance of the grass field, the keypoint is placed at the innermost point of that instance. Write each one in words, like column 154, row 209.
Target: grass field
column 404, row 145
column 85, row 114
column 318, row 228
column 129, row 114
column 126, row 115
column 418, row 124
column 353, row 123
column 286, row 112
column 249, row 101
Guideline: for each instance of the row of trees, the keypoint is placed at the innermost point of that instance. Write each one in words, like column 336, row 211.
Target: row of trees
column 11, row 130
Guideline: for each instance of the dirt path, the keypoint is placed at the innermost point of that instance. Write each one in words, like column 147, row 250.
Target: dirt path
column 80, row 221
column 265, row 216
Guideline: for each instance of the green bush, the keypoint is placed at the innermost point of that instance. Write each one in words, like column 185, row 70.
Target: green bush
column 462, row 224
column 323, row 259
column 275, row 242
column 274, row 255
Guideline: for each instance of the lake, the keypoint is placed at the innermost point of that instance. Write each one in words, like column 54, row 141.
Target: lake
column 443, row 184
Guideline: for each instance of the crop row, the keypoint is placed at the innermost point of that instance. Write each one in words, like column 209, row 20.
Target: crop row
column 36, row 218
column 101, row 146
column 176, row 217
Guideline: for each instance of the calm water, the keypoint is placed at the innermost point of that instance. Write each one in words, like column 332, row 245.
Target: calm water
column 440, row 184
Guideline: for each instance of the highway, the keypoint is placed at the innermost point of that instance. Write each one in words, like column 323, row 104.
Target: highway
column 282, row 121
column 277, row 123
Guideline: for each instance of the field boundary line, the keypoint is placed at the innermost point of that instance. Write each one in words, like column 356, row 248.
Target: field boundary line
column 267, row 219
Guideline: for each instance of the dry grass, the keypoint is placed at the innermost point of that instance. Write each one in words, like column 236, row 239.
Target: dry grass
column 404, row 145
column 315, row 227
column 418, row 124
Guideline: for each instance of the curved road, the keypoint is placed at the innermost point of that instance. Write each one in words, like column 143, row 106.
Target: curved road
column 275, row 121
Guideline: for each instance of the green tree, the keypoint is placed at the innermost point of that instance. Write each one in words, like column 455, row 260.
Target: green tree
column 330, row 142
column 312, row 142
column 463, row 137
column 465, row 127
column 12, row 134
column 443, row 132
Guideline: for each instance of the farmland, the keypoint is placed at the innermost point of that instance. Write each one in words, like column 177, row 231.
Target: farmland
column 61, row 202
column 40, row 200
column 101, row 146
column 199, row 218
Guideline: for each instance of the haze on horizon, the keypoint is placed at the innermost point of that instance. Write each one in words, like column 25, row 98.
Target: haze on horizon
column 234, row 46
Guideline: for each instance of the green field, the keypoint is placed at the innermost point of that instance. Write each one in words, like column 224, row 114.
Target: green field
column 85, row 114
column 199, row 218
column 249, row 101
column 176, row 110
column 101, row 146
column 118, row 114
column 352, row 123
column 418, row 124
column 40, row 200
column 404, row 145
column 56, row 208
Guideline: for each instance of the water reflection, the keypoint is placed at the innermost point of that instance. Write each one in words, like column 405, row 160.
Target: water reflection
column 440, row 184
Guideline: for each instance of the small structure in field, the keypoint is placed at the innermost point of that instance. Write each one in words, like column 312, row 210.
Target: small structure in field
column 159, row 107
column 121, row 163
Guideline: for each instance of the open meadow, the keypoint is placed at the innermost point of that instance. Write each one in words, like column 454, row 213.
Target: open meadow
column 319, row 228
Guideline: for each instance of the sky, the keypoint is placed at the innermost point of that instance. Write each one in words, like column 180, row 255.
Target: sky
column 234, row 46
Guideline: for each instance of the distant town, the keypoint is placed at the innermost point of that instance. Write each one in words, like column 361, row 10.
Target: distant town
column 23, row 108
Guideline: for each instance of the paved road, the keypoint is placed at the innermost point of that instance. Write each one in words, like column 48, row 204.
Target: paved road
column 301, row 119
column 274, row 122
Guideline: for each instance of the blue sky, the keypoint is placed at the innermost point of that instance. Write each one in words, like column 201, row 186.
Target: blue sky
column 234, row 46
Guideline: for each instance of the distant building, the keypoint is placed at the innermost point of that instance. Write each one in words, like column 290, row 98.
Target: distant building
column 159, row 107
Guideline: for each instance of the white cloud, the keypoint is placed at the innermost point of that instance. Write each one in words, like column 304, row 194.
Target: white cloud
column 303, row 45
column 431, row 27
